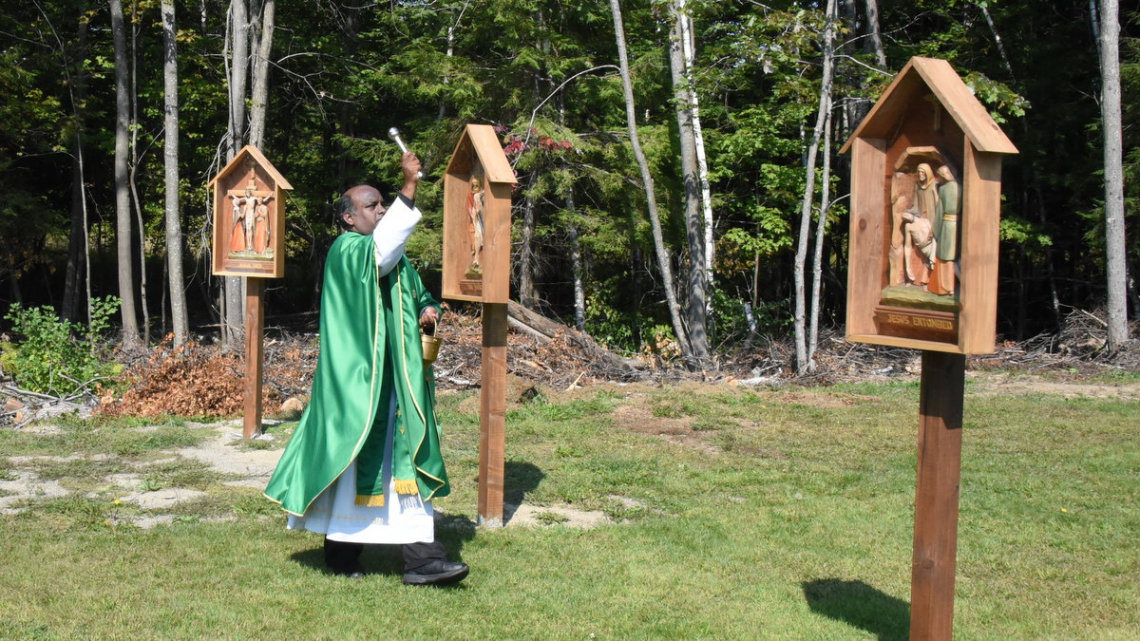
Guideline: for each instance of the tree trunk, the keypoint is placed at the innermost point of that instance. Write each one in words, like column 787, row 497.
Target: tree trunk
column 820, row 230
column 527, row 294
column 77, row 254
column 647, row 182
column 683, row 101
column 689, row 49
column 122, row 195
column 132, row 170
column 997, row 41
column 803, row 363
column 1115, row 247
column 178, row 313
column 576, row 267
column 239, row 71
column 874, row 35
column 234, row 334
column 260, row 98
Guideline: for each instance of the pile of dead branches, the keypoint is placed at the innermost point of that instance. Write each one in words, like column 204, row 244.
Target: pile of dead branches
column 207, row 380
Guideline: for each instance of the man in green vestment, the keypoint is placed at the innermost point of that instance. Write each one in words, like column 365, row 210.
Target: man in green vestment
column 364, row 463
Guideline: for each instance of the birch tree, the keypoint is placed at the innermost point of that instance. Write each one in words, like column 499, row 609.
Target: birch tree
column 178, row 314
column 122, row 195
column 647, row 183
column 1115, row 246
column 803, row 362
column 683, row 102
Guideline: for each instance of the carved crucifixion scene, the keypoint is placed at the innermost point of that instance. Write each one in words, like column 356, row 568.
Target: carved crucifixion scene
column 251, row 228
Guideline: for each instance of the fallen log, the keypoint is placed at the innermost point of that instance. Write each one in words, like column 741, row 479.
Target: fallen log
column 540, row 327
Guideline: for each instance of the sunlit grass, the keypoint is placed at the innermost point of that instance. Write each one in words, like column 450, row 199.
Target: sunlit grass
column 737, row 513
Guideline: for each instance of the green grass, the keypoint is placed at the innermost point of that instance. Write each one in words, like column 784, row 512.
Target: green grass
column 781, row 514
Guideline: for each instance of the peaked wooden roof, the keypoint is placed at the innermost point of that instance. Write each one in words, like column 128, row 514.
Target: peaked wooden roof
column 952, row 93
column 487, row 147
column 255, row 153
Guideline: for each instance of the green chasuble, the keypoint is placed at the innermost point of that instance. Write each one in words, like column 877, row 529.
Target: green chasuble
column 370, row 348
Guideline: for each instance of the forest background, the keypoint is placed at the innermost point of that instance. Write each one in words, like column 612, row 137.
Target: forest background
column 718, row 215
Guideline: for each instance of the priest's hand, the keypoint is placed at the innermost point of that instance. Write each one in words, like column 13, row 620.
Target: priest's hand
column 428, row 318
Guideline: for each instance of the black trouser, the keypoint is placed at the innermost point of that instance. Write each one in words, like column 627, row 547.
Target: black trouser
column 339, row 554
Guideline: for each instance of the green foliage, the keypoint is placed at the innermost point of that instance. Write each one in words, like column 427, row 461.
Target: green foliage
column 59, row 357
column 543, row 72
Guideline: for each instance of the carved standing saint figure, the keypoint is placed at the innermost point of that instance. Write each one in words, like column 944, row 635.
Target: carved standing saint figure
column 475, row 226
column 237, row 233
column 946, row 232
column 261, row 234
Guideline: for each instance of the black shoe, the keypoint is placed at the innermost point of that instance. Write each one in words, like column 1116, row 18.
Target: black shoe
column 350, row 570
column 439, row 572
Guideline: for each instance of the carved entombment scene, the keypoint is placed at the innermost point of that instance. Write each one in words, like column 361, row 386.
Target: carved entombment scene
column 925, row 214
column 925, row 206
column 919, row 298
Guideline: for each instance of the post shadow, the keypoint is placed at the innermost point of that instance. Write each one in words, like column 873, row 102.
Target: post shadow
column 860, row 605
column 520, row 478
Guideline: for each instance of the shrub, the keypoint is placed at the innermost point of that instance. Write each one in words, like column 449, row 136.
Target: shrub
column 58, row 357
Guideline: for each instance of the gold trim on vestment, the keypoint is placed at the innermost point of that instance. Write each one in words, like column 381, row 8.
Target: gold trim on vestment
column 366, row 500
column 411, row 393
column 407, row 486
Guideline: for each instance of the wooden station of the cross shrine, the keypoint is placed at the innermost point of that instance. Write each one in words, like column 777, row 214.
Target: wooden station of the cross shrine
column 476, row 267
column 925, row 207
column 249, row 241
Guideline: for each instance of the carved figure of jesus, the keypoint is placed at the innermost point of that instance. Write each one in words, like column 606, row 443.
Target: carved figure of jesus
column 475, row 212
column 245, row 211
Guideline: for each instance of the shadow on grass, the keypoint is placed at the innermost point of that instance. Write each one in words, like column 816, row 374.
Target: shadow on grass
column 518, row 479
column 860, row 605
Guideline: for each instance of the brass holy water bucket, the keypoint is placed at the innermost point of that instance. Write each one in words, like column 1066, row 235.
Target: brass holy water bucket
column 431, row 344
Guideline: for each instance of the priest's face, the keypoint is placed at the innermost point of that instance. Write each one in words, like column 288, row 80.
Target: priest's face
column 369, row 209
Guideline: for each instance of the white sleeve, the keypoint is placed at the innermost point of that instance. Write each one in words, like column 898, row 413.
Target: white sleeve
column 392, row 232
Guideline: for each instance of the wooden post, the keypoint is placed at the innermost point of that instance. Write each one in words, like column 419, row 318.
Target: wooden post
column 254, row 354
column 493, row 414
column 936, row 496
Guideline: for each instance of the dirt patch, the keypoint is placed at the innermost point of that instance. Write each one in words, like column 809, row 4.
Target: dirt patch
column 222, row 454
column 27, row 485
column 1004, row 385
column 824, row 401
column 535, row 516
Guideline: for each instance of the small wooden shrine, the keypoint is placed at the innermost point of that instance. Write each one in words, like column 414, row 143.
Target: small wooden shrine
column 477, row 219
column 477, row 267
column 925, row 205
column 249, row 217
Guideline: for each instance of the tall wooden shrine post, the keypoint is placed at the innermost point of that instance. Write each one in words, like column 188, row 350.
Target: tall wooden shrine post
column 249, row 241
column 925, row 206
column 477, row 267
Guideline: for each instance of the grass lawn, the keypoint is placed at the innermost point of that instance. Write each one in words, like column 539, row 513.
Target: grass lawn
column 733, row 513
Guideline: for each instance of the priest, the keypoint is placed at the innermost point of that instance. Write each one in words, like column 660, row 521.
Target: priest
column 364, row 463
